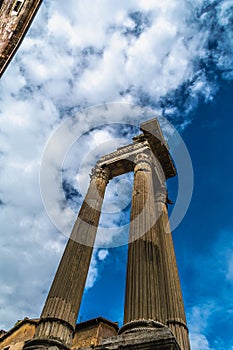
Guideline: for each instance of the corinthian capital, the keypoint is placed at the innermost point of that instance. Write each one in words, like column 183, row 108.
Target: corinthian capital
column 100, row 173
column 143, row 157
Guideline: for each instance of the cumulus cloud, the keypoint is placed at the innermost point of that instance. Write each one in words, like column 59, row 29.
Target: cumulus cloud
column 97, row 257
column 163, row 55
column 139, row 52
column 198, row 322
column 102, row 254
column 215, row 270
column 199, row 342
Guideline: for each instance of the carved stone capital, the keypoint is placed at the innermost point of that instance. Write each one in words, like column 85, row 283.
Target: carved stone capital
column 100, row 173
column 143, row 157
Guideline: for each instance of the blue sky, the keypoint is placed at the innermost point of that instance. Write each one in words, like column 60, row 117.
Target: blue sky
column 203, row 241
column 172, row 58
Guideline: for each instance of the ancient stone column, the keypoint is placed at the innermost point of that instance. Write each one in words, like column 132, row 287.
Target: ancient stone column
column 175, row 313
column 58, row 319
column 143, row 299
column 15, row 20
column 152, row 285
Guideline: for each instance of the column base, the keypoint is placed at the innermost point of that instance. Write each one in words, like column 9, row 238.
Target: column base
column 44, row 344
column 140, row 326
column 141, row 335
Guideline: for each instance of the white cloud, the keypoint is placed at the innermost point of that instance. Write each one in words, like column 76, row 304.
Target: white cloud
column 214, row 272
column 102, row 254
column 199, row 342
column 78, row 54
column 198, row 323
column 98, row 257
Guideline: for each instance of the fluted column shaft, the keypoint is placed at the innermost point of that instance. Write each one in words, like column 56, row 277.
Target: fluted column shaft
column 144, row 269
column 175, row 313
column 152, row 283
column 58, row 318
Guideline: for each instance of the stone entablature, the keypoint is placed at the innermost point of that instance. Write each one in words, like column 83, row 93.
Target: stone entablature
column 122, row 160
